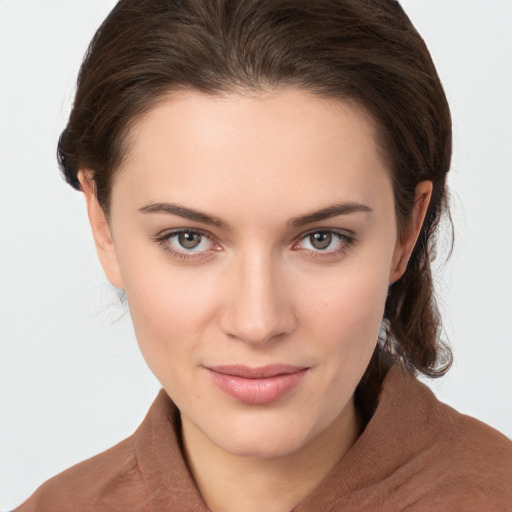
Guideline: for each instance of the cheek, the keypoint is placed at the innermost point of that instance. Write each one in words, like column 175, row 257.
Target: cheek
column 347, row 335
column 169, row 307
column 350, row 307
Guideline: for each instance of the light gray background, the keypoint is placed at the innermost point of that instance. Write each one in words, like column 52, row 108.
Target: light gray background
column 72, row 382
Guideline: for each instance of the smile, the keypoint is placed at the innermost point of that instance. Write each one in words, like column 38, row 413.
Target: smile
column 257, row 386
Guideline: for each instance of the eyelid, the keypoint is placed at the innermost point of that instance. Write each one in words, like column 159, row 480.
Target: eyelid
column 166, row 233
column 347, row 238
column 164, row 236
column 343, row 233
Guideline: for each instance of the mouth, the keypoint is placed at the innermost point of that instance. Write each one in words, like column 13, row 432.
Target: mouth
column 257, row 385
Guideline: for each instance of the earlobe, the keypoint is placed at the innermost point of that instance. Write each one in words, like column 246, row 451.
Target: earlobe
column 101, row 232
column 407, row 241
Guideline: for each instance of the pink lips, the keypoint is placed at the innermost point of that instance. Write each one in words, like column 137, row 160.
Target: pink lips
column 260, row 385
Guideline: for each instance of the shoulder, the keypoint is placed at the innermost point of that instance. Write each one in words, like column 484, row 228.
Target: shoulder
column 456, row 462
column 110, row 481
column 145, row 472
column 417, row 454
column 478, row 458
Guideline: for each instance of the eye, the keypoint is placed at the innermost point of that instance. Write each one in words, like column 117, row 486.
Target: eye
column 320, row 241
column 190, row 241
column 326, row 242
column 187, row 243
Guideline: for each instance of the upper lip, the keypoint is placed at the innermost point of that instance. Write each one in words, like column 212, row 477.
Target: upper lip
column 259, row 372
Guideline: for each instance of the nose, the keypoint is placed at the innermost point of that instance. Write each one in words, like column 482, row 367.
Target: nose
column 260, row 307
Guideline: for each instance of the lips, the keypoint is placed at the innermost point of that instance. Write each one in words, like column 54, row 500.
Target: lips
column 259, row 385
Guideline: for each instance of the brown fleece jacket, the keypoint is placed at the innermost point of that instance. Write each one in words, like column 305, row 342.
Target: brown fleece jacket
column 415, row 454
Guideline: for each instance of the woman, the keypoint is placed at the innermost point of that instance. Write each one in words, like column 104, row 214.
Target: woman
column 264, row 181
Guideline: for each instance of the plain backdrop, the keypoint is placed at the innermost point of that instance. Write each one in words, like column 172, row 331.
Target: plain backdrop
column 72, row 381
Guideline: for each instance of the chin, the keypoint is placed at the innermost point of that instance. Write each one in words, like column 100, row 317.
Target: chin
column 267, row 446
column 260, row 435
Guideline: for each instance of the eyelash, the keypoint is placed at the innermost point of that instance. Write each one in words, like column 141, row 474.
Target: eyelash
column 164, row 239
column 346, row 239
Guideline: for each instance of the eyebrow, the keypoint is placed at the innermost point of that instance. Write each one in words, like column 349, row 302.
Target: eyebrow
column 186, row 213
column 329, row 212
column 189, row 213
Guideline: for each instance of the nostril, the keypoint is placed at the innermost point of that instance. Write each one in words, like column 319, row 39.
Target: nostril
column 270, row 328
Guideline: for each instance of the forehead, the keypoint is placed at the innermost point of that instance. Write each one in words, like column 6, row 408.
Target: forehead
column 276, row 145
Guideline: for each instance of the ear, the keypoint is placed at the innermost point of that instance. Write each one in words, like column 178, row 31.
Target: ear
column 405, row 244
column 101, row 232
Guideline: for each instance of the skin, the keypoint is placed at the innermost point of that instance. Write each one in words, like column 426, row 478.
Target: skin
column 256, row 291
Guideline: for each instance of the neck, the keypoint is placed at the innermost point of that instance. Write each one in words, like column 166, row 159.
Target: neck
column 230, row 483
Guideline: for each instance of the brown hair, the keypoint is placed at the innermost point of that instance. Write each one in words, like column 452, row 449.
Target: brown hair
column 364, row 51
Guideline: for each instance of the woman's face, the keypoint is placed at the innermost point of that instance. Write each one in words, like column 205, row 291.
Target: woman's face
column 255, row 237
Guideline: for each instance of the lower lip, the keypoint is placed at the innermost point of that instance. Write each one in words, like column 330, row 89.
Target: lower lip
column 257, row 391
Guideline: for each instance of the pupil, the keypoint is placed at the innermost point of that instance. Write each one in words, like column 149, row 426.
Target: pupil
column 189, row 240
column 320, row 240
